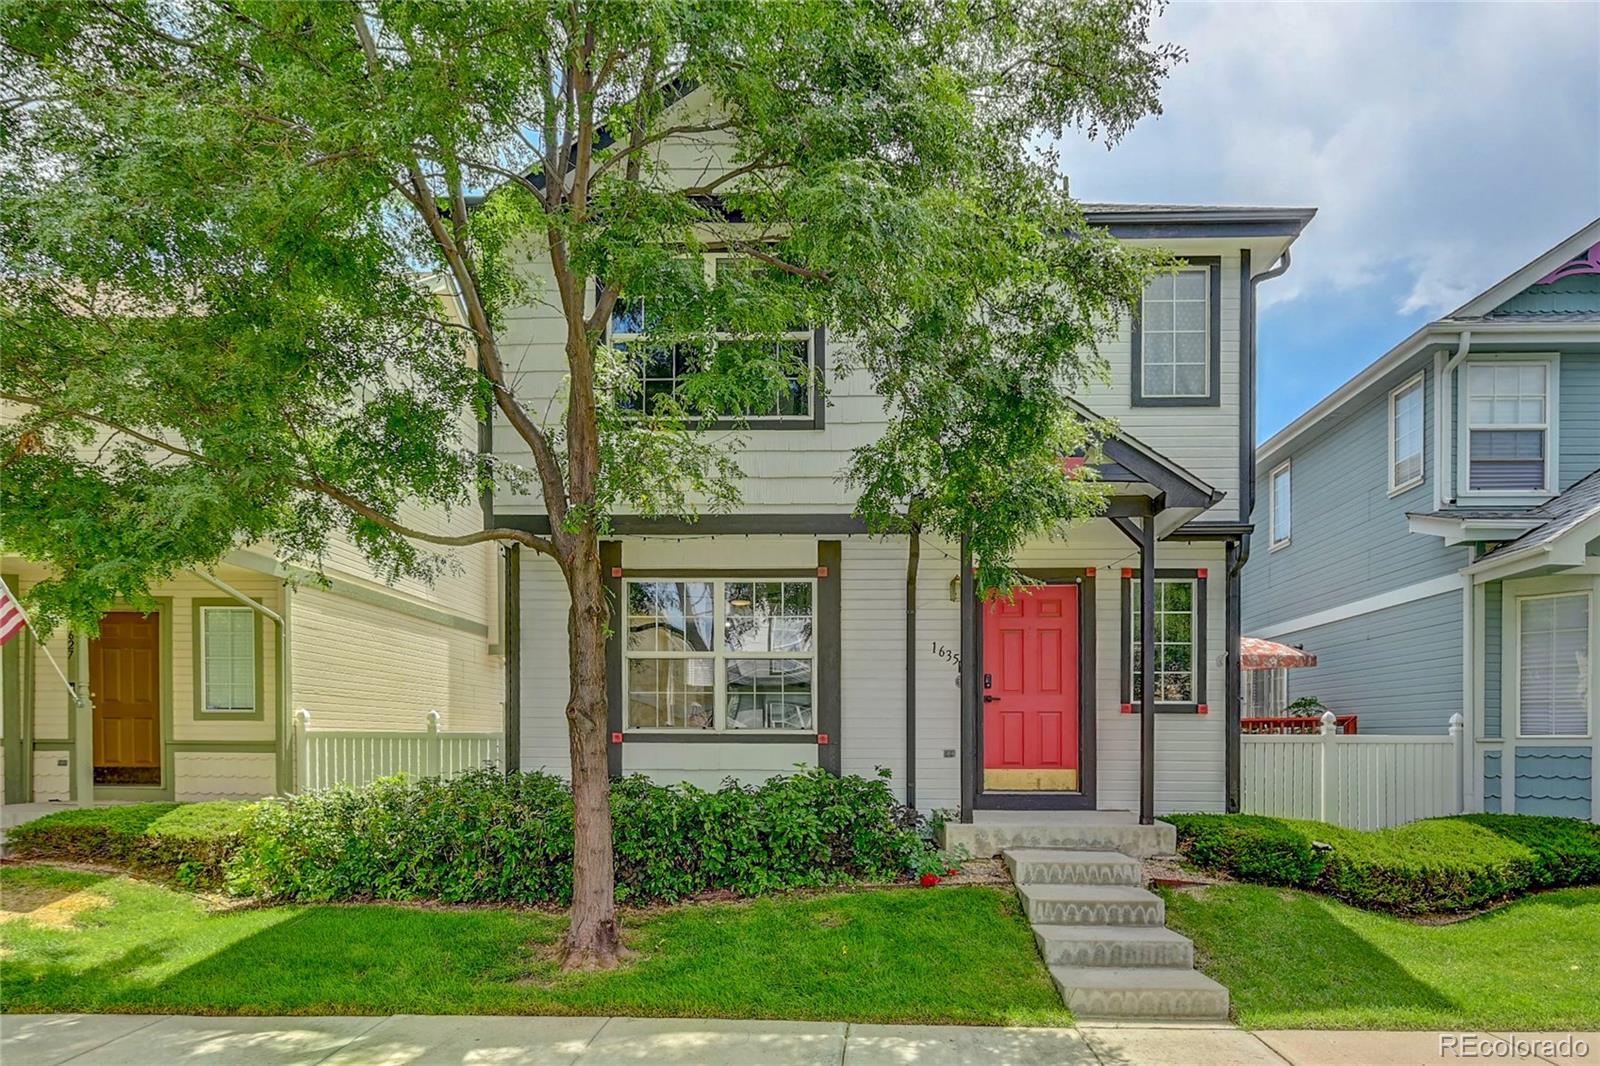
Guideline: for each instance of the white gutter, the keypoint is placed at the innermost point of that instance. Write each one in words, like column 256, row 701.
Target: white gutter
column 285, row 781
column 1443, row 418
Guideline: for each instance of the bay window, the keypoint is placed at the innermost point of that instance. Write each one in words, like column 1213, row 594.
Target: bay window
column 721, row 654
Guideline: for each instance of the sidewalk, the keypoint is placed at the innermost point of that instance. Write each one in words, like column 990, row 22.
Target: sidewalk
column 430, row 1040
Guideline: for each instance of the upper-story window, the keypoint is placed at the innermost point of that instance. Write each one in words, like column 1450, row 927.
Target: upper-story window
column 1176, row 339
column 1278, row 502
column 1405, row 435
column 1508, row 427
column 662, row 367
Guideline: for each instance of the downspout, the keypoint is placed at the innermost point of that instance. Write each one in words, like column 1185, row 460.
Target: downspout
column 285, row 773
column 1239, row 556
column 1444, row 419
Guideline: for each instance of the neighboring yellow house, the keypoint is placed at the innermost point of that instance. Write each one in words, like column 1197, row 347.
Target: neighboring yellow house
column 197, row 700
column 187, row 702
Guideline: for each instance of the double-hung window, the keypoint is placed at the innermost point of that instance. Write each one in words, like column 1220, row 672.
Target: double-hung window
column 1405, row 435
column 1508, row 427
column 661, row 367
column 723, row 654
column 1177, row 671
column 1554, row 671
column 1280, row 495
column 228, row 660
column 1175, row 345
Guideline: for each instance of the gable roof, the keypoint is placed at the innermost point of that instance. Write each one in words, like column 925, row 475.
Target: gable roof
column 1472, row 315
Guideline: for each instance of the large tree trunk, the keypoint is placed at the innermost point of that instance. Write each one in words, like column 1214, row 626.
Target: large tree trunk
column 592, row 939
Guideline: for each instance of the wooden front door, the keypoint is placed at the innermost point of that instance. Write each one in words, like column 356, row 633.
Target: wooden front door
column 125, row 682
column 1031, row 691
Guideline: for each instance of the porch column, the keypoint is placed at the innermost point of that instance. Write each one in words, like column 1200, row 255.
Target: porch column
column 971, row 675
column 82, row 720
column 1147, row 653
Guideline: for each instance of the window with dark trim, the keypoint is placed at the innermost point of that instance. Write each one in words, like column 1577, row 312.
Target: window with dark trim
column 796, row 404
column 1177, row 337
column 1179, row 673
column 734, row 654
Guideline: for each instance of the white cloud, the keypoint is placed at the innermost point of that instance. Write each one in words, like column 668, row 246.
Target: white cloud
column 1445, row 145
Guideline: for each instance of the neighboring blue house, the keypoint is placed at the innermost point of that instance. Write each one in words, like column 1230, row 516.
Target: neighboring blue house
column 1431, row 532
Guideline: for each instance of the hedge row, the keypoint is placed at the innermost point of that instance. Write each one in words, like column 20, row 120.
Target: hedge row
column 189, row 842
column 1432, row 866
column 491, row 837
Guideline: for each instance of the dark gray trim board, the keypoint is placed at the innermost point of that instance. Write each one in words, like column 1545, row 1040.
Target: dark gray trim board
column 734, row 736
column 830, row 657
column 1233, row 696
column 1247, row 387
column 1199, row 666
column 611, row 577
column 835, row 523
column 1213, row 397
column 1084, row 798
column 511, row 639
column 968, row 678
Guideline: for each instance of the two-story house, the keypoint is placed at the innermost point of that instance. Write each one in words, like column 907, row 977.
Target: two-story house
column 778, row 635
column 1431, row 532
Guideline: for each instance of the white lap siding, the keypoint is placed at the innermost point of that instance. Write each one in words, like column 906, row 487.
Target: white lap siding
column 1189, row 748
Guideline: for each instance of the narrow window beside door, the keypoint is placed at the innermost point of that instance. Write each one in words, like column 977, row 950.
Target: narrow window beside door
column 228, row 659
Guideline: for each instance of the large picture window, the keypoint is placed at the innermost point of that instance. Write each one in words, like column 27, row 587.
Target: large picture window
column 1553, row 673
column 1508, row 427
column 662, row 368
column 1176, row 361
column 722, row 654
column 1178, row 673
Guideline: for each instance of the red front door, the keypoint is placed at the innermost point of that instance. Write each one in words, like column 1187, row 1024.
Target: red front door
column 1030, row 694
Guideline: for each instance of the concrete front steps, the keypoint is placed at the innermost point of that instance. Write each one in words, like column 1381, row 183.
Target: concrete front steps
column 1100, row 932
column 1117, row 831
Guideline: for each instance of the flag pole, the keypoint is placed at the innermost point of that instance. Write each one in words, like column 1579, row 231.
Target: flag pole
column 27, row 621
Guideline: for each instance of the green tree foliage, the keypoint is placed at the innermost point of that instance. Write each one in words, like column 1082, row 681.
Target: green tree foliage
column 260, row 255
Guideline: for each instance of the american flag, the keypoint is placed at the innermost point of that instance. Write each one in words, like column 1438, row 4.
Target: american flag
column 12, row 620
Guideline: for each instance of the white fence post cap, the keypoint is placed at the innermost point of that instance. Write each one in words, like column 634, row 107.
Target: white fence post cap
column 1456, row 724
column 1330, row 722
column 434, row 718
column 303, row 716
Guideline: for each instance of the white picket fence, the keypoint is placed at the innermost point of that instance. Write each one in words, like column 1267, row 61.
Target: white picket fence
column 328, row 757
column 1359, row 781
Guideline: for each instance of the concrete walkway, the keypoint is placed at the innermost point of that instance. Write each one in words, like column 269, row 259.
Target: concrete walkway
column 428, row 1040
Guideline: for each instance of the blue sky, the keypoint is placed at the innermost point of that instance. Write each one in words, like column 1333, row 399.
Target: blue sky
column 1444, row 145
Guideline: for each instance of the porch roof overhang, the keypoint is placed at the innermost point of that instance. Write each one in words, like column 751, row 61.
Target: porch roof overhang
column 1474, row 525
column 1568, row 525
column 1258, row 653
column 1176, row 495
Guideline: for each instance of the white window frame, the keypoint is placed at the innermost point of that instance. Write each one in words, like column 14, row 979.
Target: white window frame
column 201, row 642
column 718, row 656
column 1551, row 362
column 1418, row 382
column 1274, row 541
column 1206, row 310
column 1514, row 593
column 808, row 336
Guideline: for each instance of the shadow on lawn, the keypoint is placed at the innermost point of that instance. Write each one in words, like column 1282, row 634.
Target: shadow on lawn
column 1297, row 952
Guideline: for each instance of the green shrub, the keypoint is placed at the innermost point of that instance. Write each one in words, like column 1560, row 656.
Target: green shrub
column 186, row 841
column 490, row 837
column 1249, row 847
column 1436, row 865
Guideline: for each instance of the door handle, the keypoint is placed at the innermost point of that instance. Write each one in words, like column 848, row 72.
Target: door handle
column 991, row 699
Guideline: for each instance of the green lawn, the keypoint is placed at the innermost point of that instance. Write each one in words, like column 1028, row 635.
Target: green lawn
column 1294, row 960
column 93, row 942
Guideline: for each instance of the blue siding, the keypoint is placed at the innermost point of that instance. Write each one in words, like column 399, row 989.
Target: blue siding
column 1568, row 296
column 1398, row 670
column 1580, row 417
column 1493, row 611
column 1554, row 780
column 1491, row 782
column 1349, row 538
